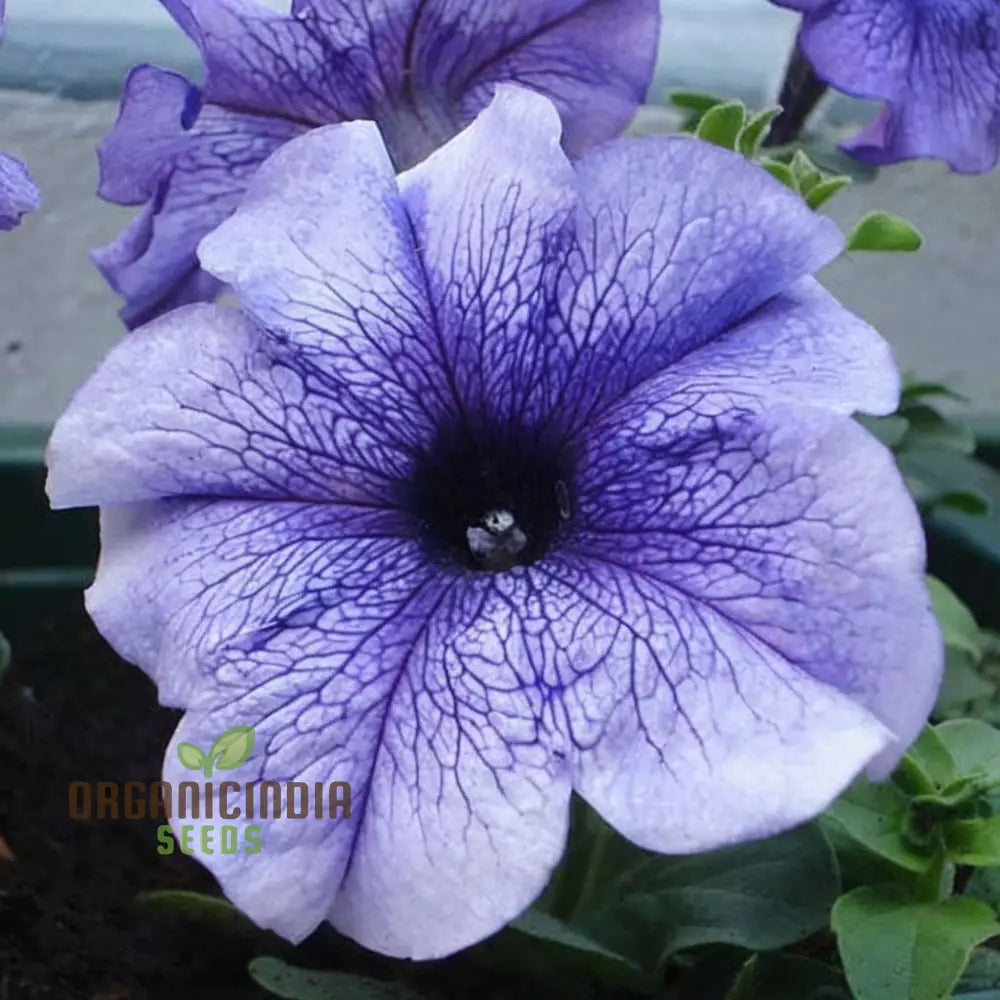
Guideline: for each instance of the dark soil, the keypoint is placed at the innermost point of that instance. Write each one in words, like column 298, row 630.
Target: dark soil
column 70, row 926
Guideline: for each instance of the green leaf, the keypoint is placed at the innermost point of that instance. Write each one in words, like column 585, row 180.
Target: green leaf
column 966, row 501
column 755, row 131
column 885, row 232
column 722, row 124
column 957, row 622
column 984, row 885
column 777, row 976
column 973, row 841
column 806, row 173
column 929, row 429
column 974, row 746
column 190, row 756
column 826, row 189
column 914, row 391
column 877, row 816
column 931, row 757
column 982, row 973
column 760, row 895
column 696, row 103
column 961, row 685
column 231, row 749
column 782, row 171
column 291, row 983
column 215, row 914
column 555, row 947
column 896, row 949
column 889, row 430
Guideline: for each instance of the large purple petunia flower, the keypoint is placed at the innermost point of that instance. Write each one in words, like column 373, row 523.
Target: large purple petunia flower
column 512, row 478
column 422, row 69
column 936, row 64
column 18, row 193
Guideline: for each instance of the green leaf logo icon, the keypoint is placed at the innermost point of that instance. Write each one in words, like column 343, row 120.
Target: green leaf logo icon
column 230, row 750
column 190, row 756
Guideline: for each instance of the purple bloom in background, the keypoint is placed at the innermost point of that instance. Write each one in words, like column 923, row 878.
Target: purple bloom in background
column 18, row 193
column 936, row 64
column 421, row 69
column 512, row 477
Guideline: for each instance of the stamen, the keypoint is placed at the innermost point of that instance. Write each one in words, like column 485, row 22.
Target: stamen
column 498, row 542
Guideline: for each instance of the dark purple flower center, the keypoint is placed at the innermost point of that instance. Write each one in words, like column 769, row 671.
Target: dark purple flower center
column 491, row 497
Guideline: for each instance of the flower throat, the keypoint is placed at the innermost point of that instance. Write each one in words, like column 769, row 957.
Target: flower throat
column 490, row 497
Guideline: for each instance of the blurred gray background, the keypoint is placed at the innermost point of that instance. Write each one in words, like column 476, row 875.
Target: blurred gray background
column 61, row 69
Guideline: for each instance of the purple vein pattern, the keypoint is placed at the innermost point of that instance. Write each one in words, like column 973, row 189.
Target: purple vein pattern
column 935, row 64
column 421, row 69
column 510, row 477
column 18, row 193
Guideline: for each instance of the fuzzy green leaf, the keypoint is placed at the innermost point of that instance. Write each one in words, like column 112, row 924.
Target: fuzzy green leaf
column 886, row 233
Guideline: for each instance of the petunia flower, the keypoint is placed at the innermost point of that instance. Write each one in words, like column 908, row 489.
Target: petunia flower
column 935, row 63
column 510, row 477
column 422, row 69
column 18, row 192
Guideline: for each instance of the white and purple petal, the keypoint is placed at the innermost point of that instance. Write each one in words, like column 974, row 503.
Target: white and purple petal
column 196, row 404
column 355, row 660
column 713, row 619
column 557, row 289
column 936, row 64
column 18, row 192
column 785, row 526
column 421, row 69
column 187, row 164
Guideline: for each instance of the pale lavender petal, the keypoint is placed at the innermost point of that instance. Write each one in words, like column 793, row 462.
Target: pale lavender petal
column 790, row 527
column 261, row 60
column 188, row 165
column 548, row 315
column 18, row 192
column 409, row 686
column 427, row 67
column 802, row 346
column 195, row 404
column 677, row 242
column 688, row 733
column 489, row 221
column 935, row 62
column 326, row 262
column 179, row 582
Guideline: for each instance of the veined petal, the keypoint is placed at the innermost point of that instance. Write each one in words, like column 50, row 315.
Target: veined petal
column 189, row 165
column 422, row 705
column 801, row 346
column 196, row 405
column 181, row 581
column 790, row 526
column 420, row 69
column 325, row 261
column 688, row 733
column 436, row 63
column 488, row 221
column 936, row 63
column 261, row 59
column 18, row 192
column 677, row 242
